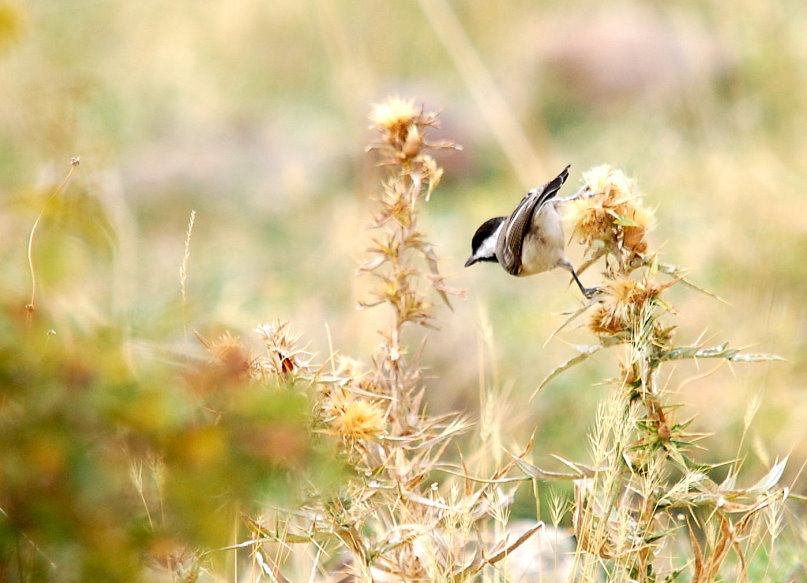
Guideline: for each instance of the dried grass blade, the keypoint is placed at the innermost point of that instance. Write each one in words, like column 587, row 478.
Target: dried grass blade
column 696, row 548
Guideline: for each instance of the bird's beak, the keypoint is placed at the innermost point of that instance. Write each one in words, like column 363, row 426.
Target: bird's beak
column 471, row 261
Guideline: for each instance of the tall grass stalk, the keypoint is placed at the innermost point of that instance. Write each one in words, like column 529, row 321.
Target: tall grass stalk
column 183, row 270
column 31, row 306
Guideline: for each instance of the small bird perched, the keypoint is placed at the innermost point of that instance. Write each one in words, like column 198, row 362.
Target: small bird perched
column 530, row 240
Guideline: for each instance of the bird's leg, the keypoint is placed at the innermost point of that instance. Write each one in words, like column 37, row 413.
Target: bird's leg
column 587, row 291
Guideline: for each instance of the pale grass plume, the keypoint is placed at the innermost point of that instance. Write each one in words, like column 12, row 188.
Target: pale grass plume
column 183, row 268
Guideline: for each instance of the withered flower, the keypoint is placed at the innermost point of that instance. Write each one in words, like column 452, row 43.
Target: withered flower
column 282, row 357
column 611, row 212
column 356, row 418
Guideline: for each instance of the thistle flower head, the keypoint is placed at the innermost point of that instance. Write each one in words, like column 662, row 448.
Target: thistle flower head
column 228, row 352
column 610, row 182
column 612, row 212
column 623, row 298
column 282, row 357
column 395, row 115
column 355, row 418
column 403, row 127
column 348, row 369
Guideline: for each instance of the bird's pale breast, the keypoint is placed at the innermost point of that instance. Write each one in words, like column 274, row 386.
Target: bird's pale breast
column 544, row 244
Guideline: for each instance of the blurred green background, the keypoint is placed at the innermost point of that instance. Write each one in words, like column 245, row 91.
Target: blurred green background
column 254, row 113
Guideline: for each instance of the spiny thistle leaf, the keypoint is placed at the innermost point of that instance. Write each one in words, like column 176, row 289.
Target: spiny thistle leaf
column 584, row 352
column 720, row 351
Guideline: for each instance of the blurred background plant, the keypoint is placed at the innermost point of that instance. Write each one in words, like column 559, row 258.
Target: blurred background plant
column 253, row 113
column 111, row 456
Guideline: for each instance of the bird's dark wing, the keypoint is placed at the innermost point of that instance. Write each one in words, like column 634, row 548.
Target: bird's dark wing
column 518, row 223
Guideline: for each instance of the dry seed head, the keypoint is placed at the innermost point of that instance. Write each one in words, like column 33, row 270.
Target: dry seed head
column 624, row 290
column 603, row 322
column 413, row 143
column 282, row 355
column 634, row 234
column 590, row 219
column 612, row 212
column 610, row 182
column 394, row 116
column 348, row 369
column 228, row 352
column 622, row 298
column 403, row 126
column 357, row 419
column 613, row 314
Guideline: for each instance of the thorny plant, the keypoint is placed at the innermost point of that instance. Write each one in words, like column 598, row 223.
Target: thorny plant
column 391, row 521
column 644, row 487
column 412, row 175
column 641, row 499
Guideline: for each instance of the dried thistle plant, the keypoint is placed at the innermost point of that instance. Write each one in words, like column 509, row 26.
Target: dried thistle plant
column 391, row 521
column 644, row 485
column 403, row 260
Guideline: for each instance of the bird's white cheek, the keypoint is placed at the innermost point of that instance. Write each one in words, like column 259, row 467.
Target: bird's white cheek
column 488, row 247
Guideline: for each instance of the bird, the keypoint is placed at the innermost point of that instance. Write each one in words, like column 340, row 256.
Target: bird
column 530, row 240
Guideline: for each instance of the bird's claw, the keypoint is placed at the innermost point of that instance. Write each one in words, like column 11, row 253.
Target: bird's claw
column 590, row 292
